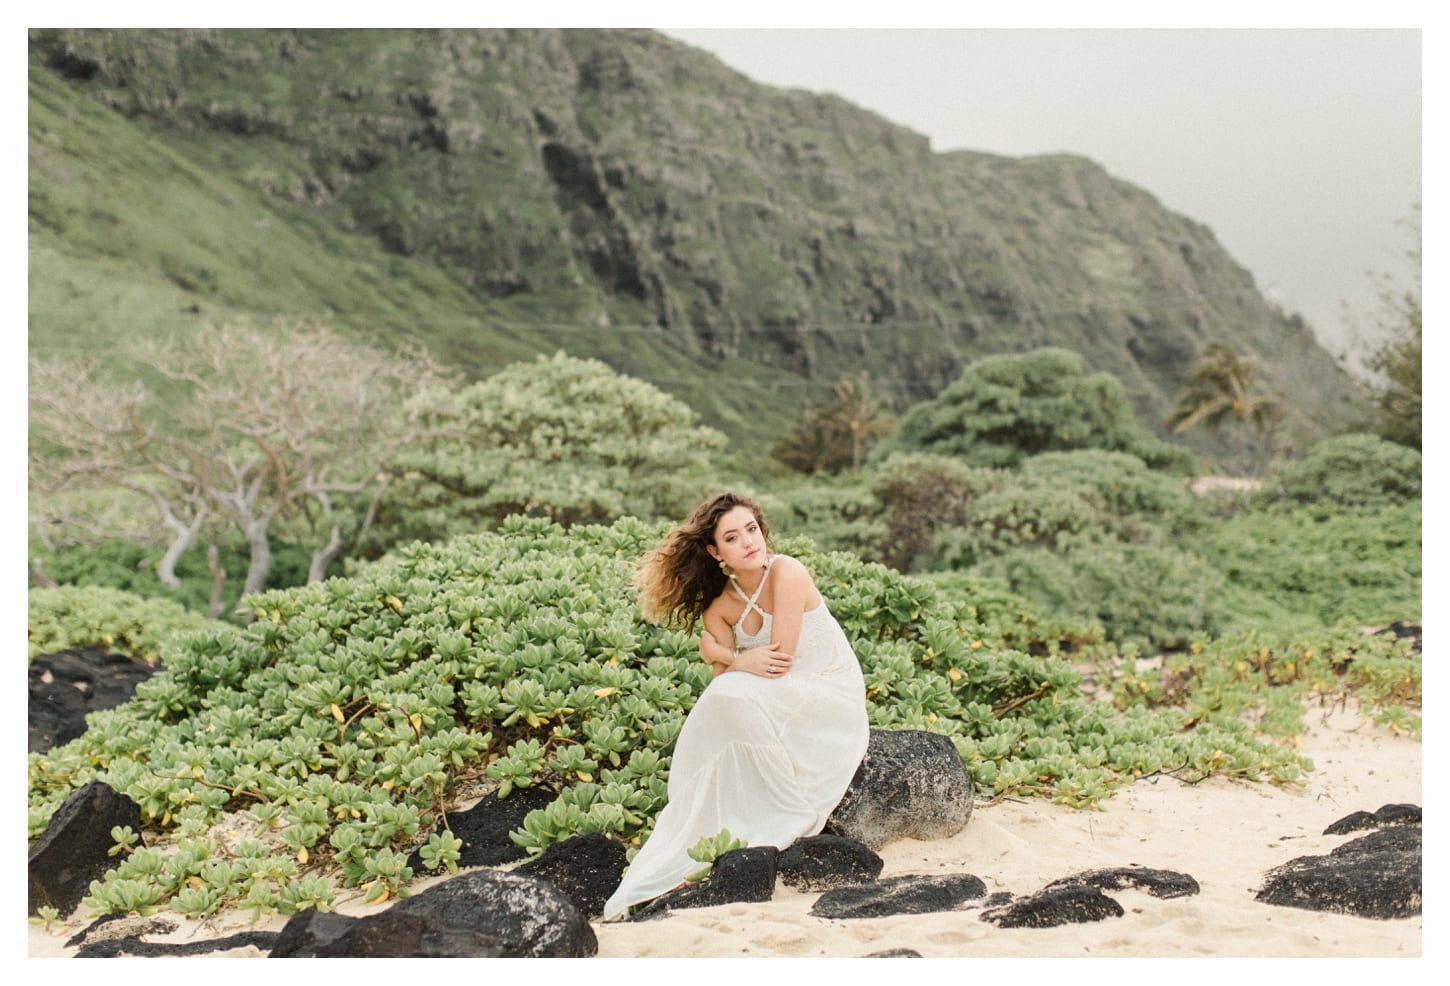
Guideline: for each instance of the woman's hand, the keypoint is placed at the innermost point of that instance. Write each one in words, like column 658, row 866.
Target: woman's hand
column 768, row 661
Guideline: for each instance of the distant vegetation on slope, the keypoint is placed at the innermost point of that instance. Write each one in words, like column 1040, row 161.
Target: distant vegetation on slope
column 497, row 194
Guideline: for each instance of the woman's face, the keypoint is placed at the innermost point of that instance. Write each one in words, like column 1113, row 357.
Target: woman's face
column 739, row 541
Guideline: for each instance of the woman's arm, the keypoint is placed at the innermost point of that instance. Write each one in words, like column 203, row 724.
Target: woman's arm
column 756, row 660
column 794, row 594
column 714, row 653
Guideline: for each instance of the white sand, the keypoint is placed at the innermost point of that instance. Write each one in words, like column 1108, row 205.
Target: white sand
column 1225, row 834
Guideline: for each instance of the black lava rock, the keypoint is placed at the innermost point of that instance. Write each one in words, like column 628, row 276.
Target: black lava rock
column 1067, row 903
column 739, row 875
column 1375, row 876
column 68, row 685
column 825, row 862
column 900, row 895
column 585, row 868
column 1159, row 883
column 482, row 914
column 75, row 847
column 1387, row 815
column 911, row 784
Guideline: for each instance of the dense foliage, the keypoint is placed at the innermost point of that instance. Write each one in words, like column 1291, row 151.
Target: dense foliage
column 131, row 567
column 1355, row 472
column 1006, row 408
column 1086, row 535
column 119, row 622
column 1307, row 568
column 351, row 713
column 562, row 438
column 1121, row 488
column 1099, row 540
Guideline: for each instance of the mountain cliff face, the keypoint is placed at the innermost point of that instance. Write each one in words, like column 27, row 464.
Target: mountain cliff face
column 616, row 192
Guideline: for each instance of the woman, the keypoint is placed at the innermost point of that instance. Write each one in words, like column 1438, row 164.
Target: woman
column 774, row 740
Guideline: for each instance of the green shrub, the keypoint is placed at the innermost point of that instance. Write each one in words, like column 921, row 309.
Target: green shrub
column 1329, row 566
column 349, row 713
column 838, row 514
column 1149, row 596
column 119, row 622
column 890, row 512
column 562, row 438
column 1120, row 486
column 918, row 495
column 920, row 512
column 1352, row 472
column 1056, row 497
column 1020, row 623
column 1006, row 408
column 1020, row 516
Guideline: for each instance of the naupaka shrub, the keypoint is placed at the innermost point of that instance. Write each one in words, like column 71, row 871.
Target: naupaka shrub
column 350, row 715
column 72, row 616
column 1355, row 472
column 559, row 437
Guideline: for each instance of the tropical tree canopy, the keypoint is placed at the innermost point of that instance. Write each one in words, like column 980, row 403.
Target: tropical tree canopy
column 1006, row 408
column 1221, row 388
column 835, row 434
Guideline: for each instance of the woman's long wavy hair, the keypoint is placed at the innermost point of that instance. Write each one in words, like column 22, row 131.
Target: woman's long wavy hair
column 680, row 577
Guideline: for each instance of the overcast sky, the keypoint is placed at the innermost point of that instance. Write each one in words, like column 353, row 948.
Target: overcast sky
column 1299, row 148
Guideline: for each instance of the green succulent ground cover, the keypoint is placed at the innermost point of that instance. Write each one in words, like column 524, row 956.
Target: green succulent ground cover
column 313, row 747
column 351, row 715
column 70, row 616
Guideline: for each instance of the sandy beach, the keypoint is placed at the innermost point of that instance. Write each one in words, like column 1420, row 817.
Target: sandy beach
column 1226, row 834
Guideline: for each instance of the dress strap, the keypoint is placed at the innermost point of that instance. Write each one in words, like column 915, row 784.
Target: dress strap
column 750, row 599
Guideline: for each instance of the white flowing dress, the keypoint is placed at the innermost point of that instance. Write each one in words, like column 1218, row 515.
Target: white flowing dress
column 766, row 758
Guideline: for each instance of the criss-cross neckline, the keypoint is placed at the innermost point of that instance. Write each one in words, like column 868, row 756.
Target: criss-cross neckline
column 750, row 600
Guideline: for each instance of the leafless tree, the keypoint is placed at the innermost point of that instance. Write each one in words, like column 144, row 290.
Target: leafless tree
column 249, row 425
column 84, row 441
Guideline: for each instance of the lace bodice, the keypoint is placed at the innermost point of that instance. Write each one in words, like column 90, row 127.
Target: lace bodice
column 822, row 648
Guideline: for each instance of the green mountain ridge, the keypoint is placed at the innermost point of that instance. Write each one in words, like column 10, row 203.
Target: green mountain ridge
column 500, row 193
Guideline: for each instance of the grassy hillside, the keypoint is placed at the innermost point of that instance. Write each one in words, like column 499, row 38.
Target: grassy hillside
column 136, row 231
column 497, row 194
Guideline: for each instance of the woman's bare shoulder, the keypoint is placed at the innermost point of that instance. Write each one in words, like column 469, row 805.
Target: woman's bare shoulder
column 790, row 568
column 717, row 608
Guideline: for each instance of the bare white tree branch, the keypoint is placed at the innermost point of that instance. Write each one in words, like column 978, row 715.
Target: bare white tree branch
column 256, row 424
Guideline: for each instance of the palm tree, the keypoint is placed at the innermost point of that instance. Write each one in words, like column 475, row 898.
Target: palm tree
column 862, row 416
column 835, row 433
column 1221, row 388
